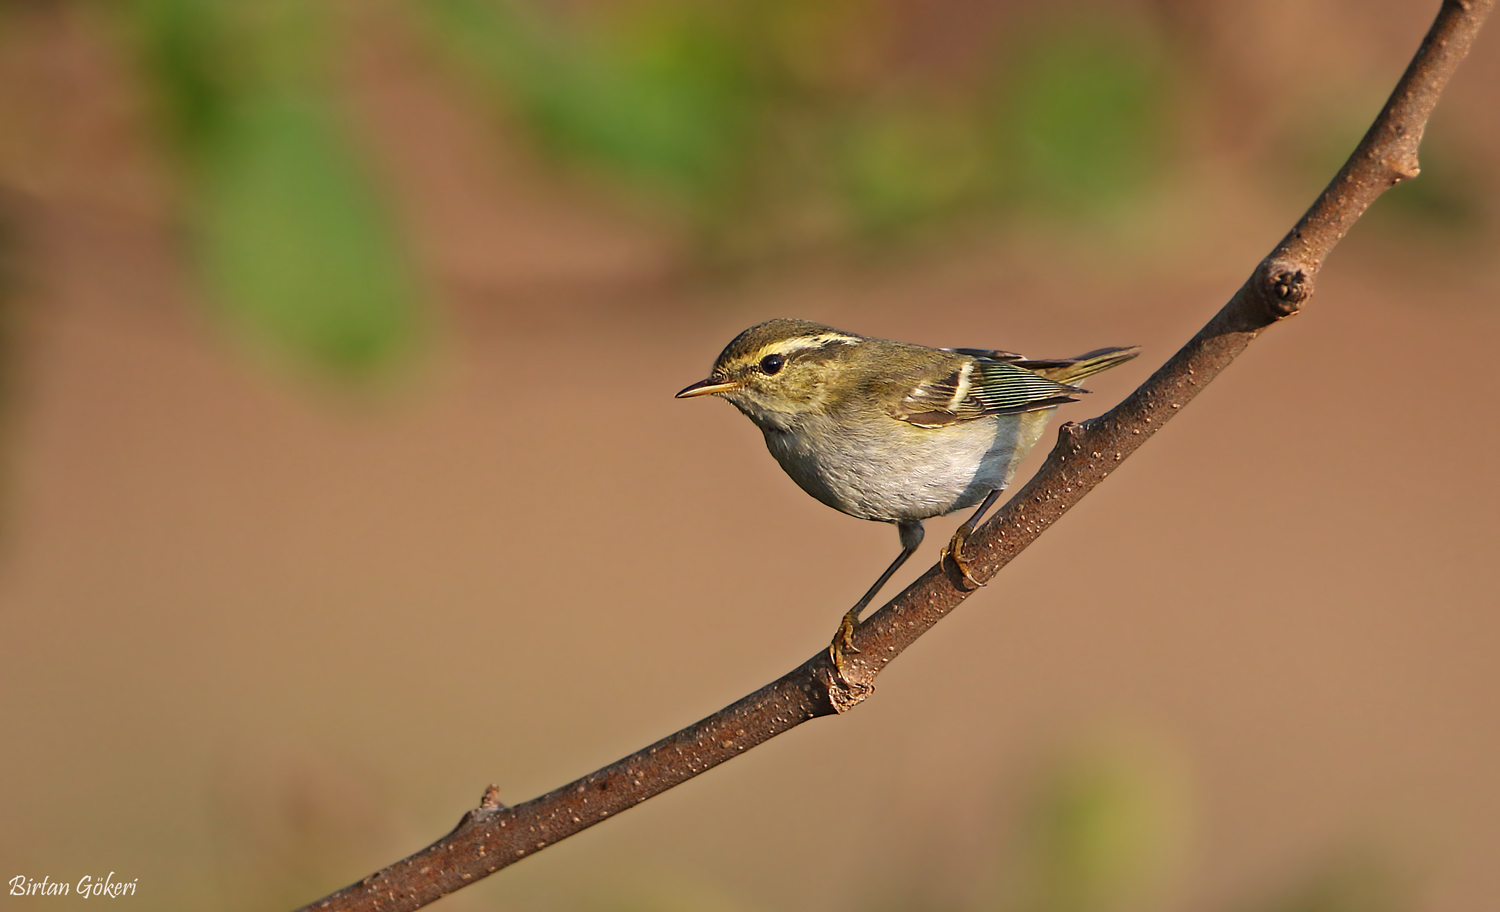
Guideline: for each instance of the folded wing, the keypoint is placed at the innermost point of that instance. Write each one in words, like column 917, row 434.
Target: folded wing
column 981, row 388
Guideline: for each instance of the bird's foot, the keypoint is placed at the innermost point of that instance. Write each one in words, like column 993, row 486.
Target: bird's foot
column 955, row 552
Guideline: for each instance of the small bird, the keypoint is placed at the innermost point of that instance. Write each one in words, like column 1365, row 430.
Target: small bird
column 891, row 431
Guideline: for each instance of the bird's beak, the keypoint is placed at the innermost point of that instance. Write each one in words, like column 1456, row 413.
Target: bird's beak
column 708, row 388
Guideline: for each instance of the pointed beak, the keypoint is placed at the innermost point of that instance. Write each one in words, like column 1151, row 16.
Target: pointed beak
column 708, row 388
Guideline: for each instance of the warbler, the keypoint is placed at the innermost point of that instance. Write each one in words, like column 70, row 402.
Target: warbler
column 891, row 431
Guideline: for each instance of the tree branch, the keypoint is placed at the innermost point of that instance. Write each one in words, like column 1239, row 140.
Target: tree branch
column 493, row 836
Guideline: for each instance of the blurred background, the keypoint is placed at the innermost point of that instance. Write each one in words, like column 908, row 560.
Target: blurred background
column 342, row 476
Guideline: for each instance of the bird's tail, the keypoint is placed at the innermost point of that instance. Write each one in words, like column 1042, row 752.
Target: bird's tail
column 1071, row 370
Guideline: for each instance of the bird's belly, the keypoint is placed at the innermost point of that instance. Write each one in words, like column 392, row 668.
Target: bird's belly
column 925, row 472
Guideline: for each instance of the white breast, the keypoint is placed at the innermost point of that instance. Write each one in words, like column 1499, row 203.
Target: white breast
column 924, row 472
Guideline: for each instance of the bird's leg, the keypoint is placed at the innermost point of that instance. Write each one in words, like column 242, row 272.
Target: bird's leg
column 843, row 641
column 955, row 547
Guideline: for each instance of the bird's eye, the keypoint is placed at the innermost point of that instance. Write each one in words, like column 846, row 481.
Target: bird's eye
column 770, row 364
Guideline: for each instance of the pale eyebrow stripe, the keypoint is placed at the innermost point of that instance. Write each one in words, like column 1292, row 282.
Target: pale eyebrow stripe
column 789, row 346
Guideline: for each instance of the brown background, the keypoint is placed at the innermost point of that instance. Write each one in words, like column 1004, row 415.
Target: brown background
column 258, row 637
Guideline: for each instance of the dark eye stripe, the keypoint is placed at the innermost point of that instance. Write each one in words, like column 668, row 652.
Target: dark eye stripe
column 772, row 363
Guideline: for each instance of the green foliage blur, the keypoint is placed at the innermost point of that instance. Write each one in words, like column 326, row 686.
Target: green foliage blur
column 1107, row 828
column 774, row 124
column 1085, row 104
column 759, row 128
column 766, row 126
column 291, row 234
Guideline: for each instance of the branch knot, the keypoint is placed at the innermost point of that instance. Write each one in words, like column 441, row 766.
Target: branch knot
column 1289, row 286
